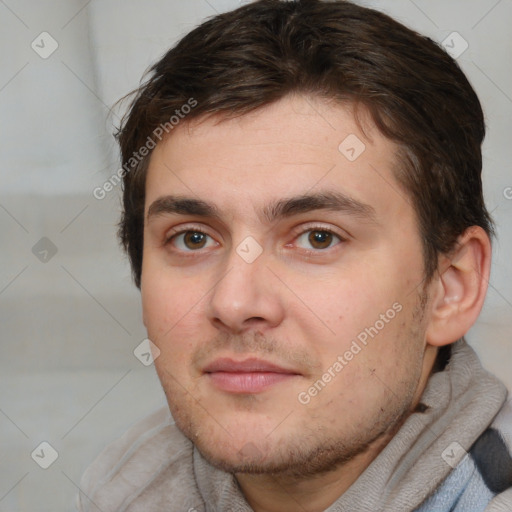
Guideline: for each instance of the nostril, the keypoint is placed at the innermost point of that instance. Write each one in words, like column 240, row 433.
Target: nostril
column 247, row 323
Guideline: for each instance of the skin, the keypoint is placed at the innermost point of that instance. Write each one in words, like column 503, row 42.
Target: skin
column 300, row 304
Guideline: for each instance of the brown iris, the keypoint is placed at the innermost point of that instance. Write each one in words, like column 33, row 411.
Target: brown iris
column 194, row 239
column 320, row 239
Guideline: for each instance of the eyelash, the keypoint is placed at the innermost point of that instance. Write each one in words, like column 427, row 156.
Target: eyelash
column 168, row 239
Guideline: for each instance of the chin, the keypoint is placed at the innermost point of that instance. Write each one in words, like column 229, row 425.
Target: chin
column 249, row 459
column 284, row 459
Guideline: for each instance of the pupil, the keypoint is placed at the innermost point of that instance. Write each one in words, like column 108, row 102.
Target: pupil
column 320, row 239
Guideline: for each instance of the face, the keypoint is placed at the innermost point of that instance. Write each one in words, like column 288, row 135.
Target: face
column 281, row 279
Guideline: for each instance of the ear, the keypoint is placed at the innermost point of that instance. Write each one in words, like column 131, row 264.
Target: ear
column 458, row 291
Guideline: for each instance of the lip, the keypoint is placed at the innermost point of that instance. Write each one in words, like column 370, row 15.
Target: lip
column 226, row 364
column 248, row 376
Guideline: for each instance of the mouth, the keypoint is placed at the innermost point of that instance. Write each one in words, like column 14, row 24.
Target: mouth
column 247, row 376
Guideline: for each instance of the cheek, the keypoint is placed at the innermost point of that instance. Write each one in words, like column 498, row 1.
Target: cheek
column 173, row 306
column 169, row 298
column 366, row 315
column 157, row 303
column 339, row 307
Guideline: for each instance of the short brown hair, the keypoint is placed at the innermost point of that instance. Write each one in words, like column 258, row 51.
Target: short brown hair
column 244, row 59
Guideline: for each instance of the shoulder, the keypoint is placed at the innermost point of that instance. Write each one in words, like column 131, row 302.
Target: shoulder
column 148, row 468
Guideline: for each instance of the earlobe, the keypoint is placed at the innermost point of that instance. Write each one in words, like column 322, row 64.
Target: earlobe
column 458, row 291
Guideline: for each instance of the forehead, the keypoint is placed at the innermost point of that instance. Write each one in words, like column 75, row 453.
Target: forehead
column 292, row 147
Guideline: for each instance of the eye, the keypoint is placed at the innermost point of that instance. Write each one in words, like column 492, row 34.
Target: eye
column 318, row 239
column 191, row 240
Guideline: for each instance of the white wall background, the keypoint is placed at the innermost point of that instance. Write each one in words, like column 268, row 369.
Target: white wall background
column 69, row 323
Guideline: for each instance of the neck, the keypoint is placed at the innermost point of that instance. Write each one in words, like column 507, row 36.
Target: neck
column 274, row 493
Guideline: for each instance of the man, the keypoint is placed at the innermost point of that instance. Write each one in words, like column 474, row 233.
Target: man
column 304, row 217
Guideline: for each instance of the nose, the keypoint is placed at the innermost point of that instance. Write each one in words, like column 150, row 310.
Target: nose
column 246, row 297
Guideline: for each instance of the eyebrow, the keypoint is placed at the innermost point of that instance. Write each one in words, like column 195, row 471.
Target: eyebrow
column 331, row 201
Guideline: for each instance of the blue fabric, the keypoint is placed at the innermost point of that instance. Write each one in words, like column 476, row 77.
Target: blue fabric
column 482, row 474
column 463, row 491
